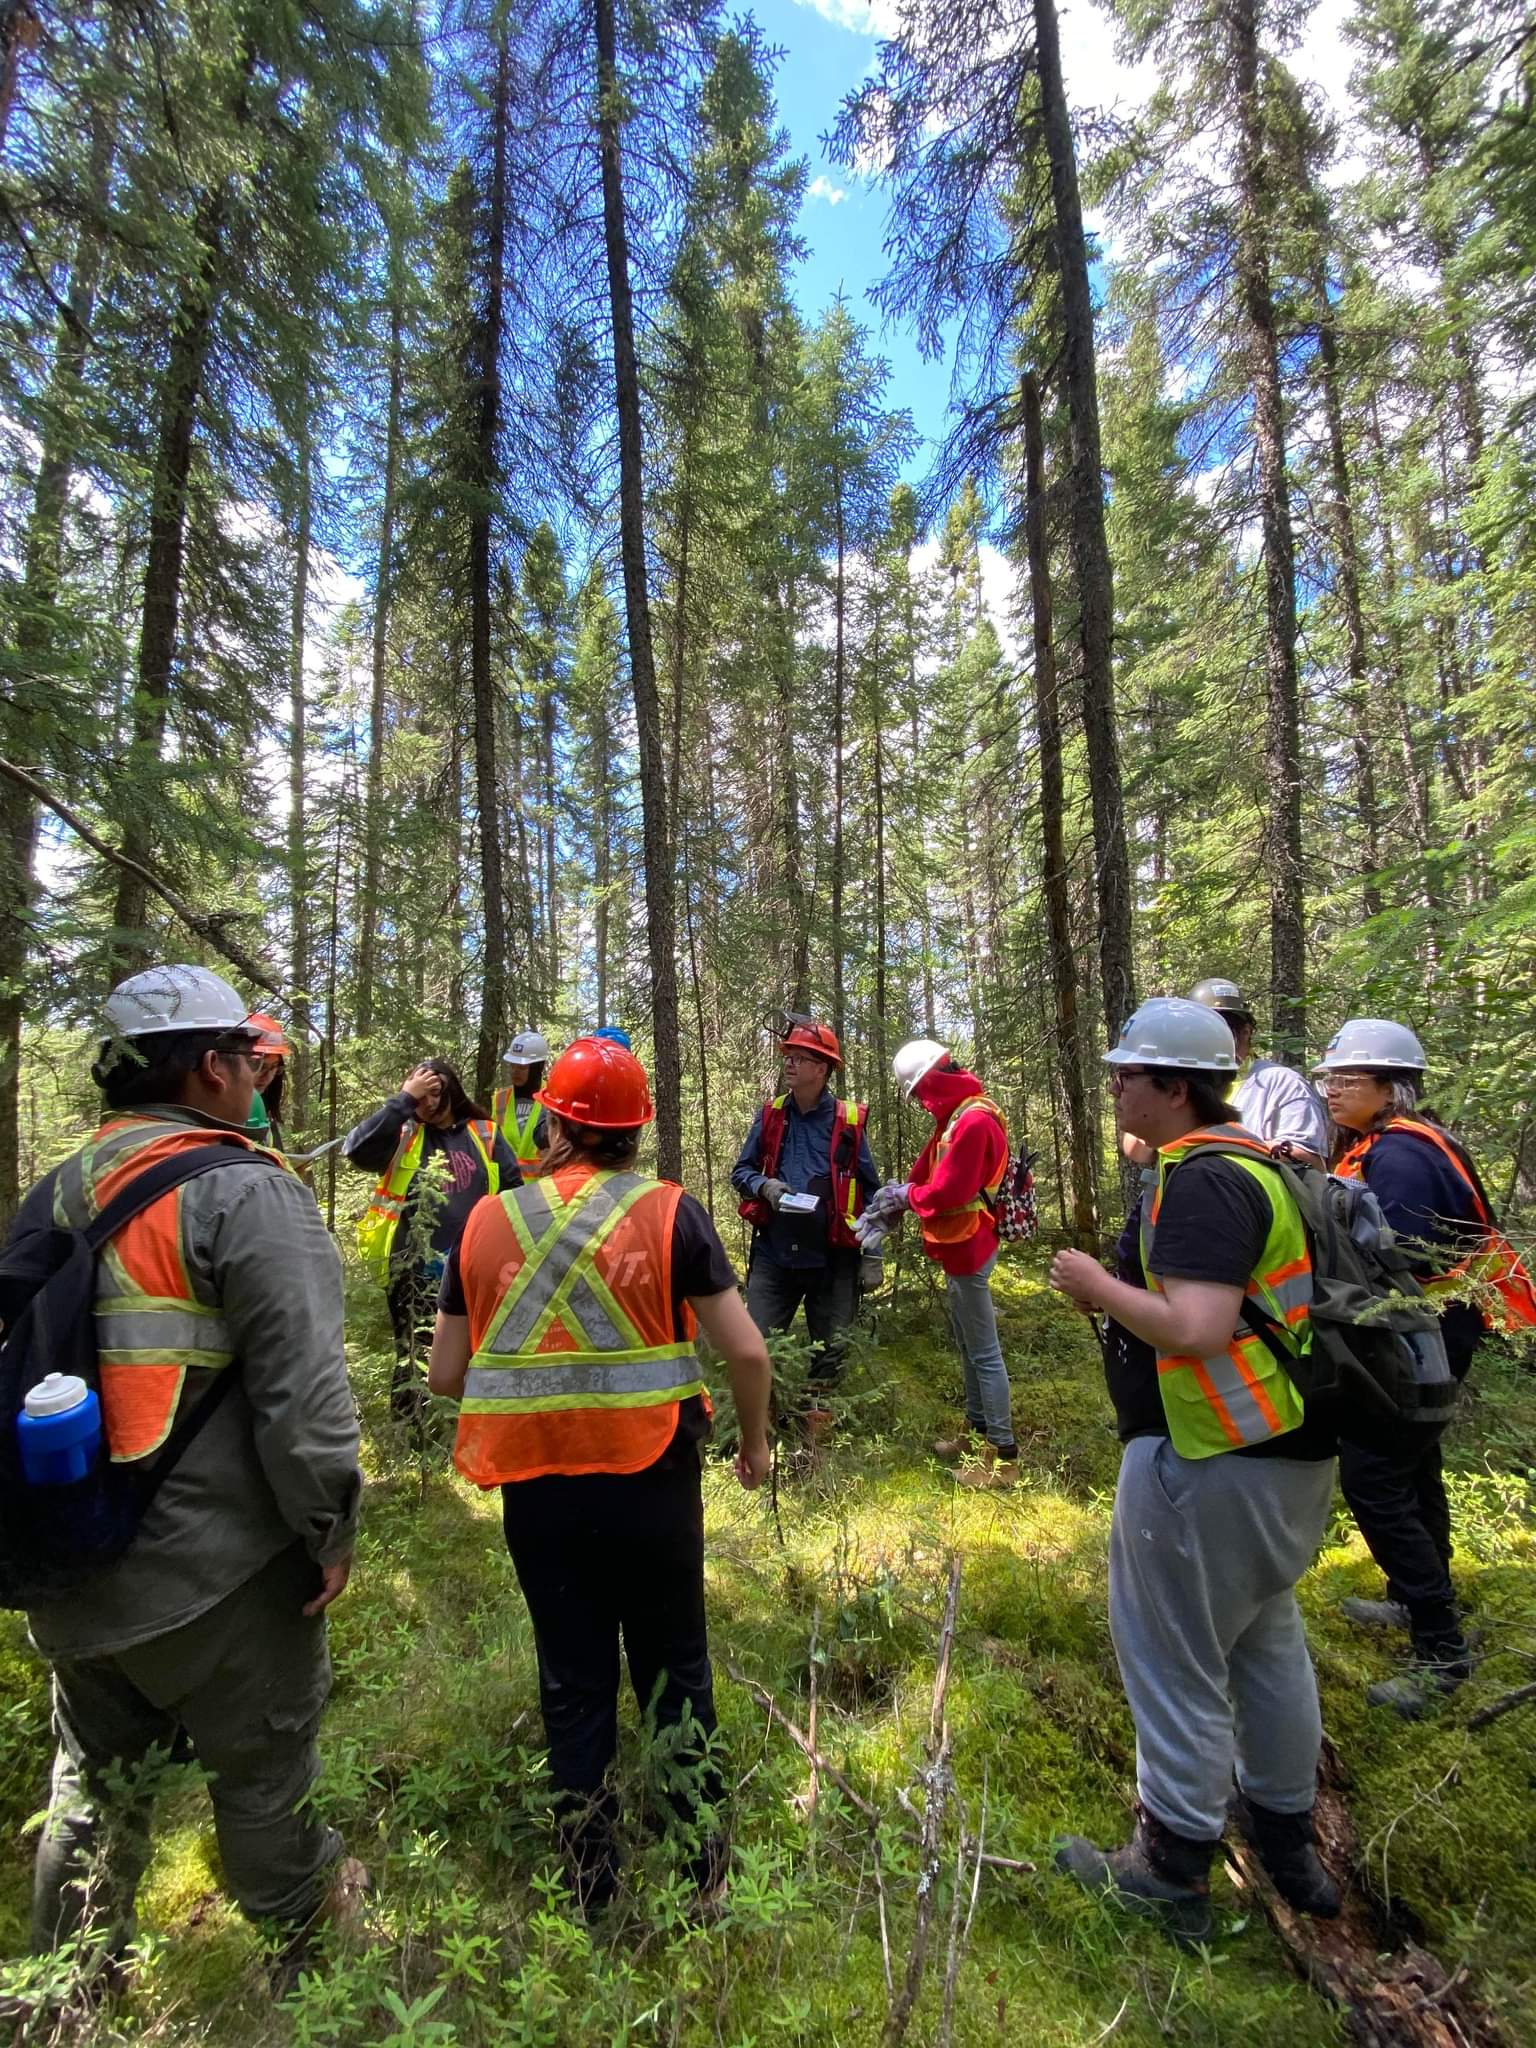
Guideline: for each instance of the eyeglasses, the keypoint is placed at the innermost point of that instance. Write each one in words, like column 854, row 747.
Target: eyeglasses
column 1118, row 1076
column 240, row 1052
column 799, row 1059
column 1339, row 1078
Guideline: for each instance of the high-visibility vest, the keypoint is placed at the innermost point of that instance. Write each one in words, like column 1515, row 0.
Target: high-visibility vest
column 846, row 1203
column 381, row 1219
column 519, row 1136
column 576, row 1365
column 954, row 1226
column 1494, row 1263
column 157, row 1342
column 1243, row 1394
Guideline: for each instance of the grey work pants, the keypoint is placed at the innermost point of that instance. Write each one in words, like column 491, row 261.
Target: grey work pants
column 973, row 1318
column 1204, row 1556
column 247, row 1681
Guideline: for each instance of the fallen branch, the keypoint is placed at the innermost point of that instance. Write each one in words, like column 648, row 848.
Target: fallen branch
column 1506, row 1703
column 799, row 1738
column 937, row 1780
column 206, row 925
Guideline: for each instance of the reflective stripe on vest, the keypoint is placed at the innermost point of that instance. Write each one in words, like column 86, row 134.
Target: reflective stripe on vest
column 955, row 1226
column 377, row 1226
column 575, row 1366
column 519, row 1136
column 1242, row 1395
column 846, row 1204
column 156, row 1342
column 1495, row 1263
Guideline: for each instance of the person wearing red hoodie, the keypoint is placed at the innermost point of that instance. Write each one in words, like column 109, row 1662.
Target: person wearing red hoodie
column 950, row 1191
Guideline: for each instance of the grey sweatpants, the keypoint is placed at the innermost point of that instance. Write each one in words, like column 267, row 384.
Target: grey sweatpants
column 247, row 1681
column 1204, row 1555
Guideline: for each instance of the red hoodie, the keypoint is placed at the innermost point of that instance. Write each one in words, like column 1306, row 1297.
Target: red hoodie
column 973, row 1161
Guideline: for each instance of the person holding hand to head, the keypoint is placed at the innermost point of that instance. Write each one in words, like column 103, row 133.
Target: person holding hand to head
column 437, row 1153
column 566, row 1331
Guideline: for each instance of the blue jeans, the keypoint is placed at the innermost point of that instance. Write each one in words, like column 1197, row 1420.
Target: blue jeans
column 974, row 1322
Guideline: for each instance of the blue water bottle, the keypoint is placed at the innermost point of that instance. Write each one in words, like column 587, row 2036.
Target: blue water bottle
column 59, row 1431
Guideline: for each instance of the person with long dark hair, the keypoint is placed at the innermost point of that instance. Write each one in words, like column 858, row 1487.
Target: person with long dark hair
column 1429, row 1191
column 437, row 1153
column 566, row 1328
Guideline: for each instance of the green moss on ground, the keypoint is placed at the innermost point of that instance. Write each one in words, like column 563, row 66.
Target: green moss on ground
column 433, row 1771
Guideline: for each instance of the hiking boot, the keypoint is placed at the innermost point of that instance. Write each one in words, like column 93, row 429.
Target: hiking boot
column 340, row 1912
column 1374, row 1613
column 1286, row 1845
column 1418, row 1688
column 1160, row 1874
column 953, row 1448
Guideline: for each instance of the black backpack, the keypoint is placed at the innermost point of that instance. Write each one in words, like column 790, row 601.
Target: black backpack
column 54, row 1539
column 1378, row 1356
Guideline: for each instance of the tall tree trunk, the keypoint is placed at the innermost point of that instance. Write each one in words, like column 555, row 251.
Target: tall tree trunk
column 1282, row 706
column 1058, row 905
column 298, row 845
column 660, row 893
column 19, row 31
column 383, row 590
column 839, row 713
column 1089, row 544
column 797, row 908
column 602, row 855
column 551, row 907
column 180, row 395
column 42, row 561
column 877, row 697
column 493, row 986
column 919, row 797
column 1347, row 556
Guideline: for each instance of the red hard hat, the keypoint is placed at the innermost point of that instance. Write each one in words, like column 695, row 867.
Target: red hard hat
column 597, row 1082
column 813, row 1038
column 273, row 1039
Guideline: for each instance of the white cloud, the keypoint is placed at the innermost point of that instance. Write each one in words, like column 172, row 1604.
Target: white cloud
column 863, row 17
column 823, row 188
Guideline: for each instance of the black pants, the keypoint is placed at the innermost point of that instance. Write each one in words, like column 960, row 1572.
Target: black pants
column 831, row 1297
column 1396, row 1493
column 599, row 1557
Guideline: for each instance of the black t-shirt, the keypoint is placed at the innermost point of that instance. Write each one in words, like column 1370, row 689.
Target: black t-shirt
column 1212, row 1226
column 700, row 1266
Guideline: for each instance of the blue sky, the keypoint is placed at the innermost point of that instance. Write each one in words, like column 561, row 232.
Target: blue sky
column 820, row 64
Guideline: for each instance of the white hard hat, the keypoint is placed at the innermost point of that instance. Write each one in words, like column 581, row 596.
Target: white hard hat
column 917, row 1057
column 1167, row 1031
column 528, row 1049
column 177, row 998
column 1373, row 1042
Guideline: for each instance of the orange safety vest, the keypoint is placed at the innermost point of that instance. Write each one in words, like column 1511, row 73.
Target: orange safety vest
column 1495, row 1263
column 954, row 1226
column 576, row 1365
column 157, row 1341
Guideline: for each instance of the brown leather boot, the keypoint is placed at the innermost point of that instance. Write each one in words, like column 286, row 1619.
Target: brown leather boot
column 1158, row 1873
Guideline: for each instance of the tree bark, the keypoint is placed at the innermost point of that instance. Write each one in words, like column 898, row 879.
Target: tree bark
column 1347, row 559
column 839, row 713
column 383, row 591
column 1089, row 543
column 181, row 394
column 1282, row 696
column 298, row 845
column 18, row 31
column 1058, row 906
column 660, row 892
column 42, row 557
column 493, row 986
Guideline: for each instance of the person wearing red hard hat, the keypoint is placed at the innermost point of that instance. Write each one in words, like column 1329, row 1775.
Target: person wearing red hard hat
column 273, row 1050
column 566, row 1332
column 811, row 1146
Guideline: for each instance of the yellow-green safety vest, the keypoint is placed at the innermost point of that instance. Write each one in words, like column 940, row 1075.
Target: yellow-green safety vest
column 379, row 1222
column 518, row 1135
column 1242, row 1395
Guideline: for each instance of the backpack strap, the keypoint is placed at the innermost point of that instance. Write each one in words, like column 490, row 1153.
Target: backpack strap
column 160, row 1178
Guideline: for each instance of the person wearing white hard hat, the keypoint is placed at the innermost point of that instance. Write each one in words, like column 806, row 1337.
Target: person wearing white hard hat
column 950, row 1190
column 1224, row 1489
column 1271, row 1099
column 211, row 1625
column 515, row 1110
column 1430, row 1194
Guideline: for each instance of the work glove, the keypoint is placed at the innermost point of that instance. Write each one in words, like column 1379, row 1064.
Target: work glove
column 773, row 1192
column 871, row 1232
column 871, row 1272
column 889, row 1202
